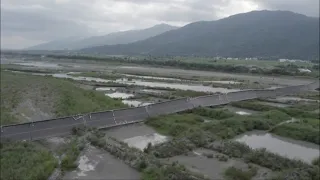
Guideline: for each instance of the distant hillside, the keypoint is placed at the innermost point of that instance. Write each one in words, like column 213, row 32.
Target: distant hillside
column 123, row 37
column 271, row 34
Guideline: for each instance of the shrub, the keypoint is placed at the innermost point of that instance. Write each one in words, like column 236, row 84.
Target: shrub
column 230, row 148
column 25, row 160
column 310, row 173
column 299, row 131
column 172, row 148
column 213, row 113
column 253, row 105
column 78, row 130
column 148, row 148
column 276, row 116
column 238, row 174
column 222, row 158
column 272, row 161
column 209, row 155
column 142, row 165
column 71, row 155
column 316, row 161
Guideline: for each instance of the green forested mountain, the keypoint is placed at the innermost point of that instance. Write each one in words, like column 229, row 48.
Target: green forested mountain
column 267, row 34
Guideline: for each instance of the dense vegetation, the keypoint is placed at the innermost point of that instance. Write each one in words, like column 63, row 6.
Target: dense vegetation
column 316, row 161
column 299, row 131
column 219, row 122
column 305, row 129
column 45, row 94
column 190, row 131
column 25, row 160
column 71, row 153
column 297, row 110
column 233, row 173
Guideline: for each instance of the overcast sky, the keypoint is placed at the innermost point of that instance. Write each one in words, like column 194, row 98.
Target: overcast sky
column 29, row 22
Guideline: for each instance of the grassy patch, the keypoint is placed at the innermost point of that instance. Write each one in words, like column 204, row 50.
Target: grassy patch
column 310, row 95
column 171, row 171
column 71, row 154
column 55, row 96
column 187, row 93
column 216, row 113
column 225, row 124
column 275, row 116
column 74, row 101
column 316, row 161
column 24, row 160
column 299, row 131
column 253, row 105
column 233, row 173
column 176, row 124
column 297, row 111
column 310, row 173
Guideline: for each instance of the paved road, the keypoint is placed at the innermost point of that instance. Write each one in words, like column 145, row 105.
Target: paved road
column 61, row 126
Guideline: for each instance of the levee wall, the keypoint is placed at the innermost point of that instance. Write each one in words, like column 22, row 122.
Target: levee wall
column 61, row 126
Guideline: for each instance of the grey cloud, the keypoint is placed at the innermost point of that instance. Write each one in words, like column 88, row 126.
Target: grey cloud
column 44, row 20
column 307, row 7
column 39, row 26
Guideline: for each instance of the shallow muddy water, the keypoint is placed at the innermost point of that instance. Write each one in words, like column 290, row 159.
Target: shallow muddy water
column 137, row 135
column 290, row 148
column 98, row 164
column 192, row 87
column 152, row 77
column 240, row 111
column 153, row 91
column 135, row 103
column 141, row 142
column 38, row 64
column 224, row 82
column 288, row 98
column 120, row 95
column 106, row 89
column 80, row 78
column 199, row 88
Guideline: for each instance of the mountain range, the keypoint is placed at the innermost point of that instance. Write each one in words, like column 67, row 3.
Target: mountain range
column 265, row 34
column 122, row 37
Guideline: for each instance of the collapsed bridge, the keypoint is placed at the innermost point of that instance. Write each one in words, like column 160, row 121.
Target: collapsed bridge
column 106, row 119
